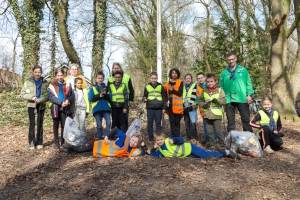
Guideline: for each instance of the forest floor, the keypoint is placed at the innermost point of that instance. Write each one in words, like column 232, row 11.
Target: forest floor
column 51, row 174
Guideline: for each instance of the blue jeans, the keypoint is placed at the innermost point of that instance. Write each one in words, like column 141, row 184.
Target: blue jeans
column 197, row 152
column 206, row 137
column 154, row 114
column 99, row 115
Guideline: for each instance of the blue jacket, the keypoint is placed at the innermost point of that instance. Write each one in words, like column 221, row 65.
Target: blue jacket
column 102, row 102
column 157, row 153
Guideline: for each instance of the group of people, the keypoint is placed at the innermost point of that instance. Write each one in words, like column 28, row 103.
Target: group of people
column 70, row 96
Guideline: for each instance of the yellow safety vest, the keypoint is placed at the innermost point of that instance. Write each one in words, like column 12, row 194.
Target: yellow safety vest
column 215, row 108
column 95, row 93
column 125, row 80
column 265, row 120
column 176, row 150
column 189, row 93
column 117, row 95
column 154, row 93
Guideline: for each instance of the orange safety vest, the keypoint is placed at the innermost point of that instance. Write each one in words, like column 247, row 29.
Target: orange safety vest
column 101, row 149
column 177, row 101
column 199, row 92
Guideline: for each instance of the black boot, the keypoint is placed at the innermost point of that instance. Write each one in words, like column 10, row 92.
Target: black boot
column 56, row 144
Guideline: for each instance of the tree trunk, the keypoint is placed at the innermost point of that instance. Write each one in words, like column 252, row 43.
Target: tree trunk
column 61, row 14
column 100, row 7
column 28, row 16
column 282, row 92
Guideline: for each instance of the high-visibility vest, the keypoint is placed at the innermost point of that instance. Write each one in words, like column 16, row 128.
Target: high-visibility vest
column 95, row 93
column 264, row 118
column 154, row 93
column 199, row 92
column 117, row 95
column 177, row 101
column 189, row 93
column 101, row 149
column 125, row 80
column 176, row 150
column 215, row 108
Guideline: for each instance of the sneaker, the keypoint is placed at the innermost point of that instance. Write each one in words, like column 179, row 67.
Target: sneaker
column 234, row 155
column 268, row 149
column 31, row 147
column 212, row 148
column 39, row 146
column 63, row 150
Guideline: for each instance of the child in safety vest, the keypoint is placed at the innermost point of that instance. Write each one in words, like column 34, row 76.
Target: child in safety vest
column 189, row 98
column 35, row 92
column 100, row 97
column 154, row 96
column 82, row 104
column 176, row 147
column 124, row 146
column 212, row 99
column 269, row 125
column 119, row 102
column 174, row 91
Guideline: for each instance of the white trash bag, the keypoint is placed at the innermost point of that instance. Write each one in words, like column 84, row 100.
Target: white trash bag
column 245, row 143
column 72, row 134
column 135, row 126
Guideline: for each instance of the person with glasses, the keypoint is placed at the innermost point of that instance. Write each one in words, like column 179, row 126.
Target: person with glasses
column 236, row 83
column 126, row 79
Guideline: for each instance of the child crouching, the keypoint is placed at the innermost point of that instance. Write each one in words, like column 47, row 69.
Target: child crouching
column 124, row 146
column 176, row 147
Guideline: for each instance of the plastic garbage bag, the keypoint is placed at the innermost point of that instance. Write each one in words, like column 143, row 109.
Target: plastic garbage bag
column 193, row 115
column 245, row 143
column 72, row 134
column 135, row 126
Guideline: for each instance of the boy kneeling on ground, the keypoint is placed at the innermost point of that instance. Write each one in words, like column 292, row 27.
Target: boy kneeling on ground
column 124, row 146
column 176, row 147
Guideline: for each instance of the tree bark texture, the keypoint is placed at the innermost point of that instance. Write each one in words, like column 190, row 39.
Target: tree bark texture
column 28, row 16
column 61, row 14
column 100, row 7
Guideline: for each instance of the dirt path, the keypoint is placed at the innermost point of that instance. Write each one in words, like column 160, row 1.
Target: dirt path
column 50, row 174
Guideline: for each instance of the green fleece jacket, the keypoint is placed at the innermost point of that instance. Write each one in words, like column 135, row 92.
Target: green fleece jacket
column 241, row 84
column 29, row 90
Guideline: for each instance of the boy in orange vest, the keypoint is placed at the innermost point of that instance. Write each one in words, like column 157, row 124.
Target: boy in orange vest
column 124, row 146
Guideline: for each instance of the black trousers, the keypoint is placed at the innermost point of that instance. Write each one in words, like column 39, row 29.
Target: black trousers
column 61, row 118
column 38, row 140
column 174, row 122
column 118, row 118
column 243, row 109
column 269, row 138
column 190, row 127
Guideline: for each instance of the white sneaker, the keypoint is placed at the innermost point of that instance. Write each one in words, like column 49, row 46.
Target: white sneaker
column 39, row 146
column 31, row 146
column 268, row 149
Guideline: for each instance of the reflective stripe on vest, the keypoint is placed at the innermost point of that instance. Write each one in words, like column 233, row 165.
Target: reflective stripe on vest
column 215, row 108
column 199, row 92
column 173, row 150
column 188, row 94
column 265, row 120
column 117, row 95
column 154, row 93
column 125, row 80
column 101, row 149
column 95, row 93
column 177, row 101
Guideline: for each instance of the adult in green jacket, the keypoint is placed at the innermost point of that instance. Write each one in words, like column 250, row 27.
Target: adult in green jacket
column 236, row 83
column 34, row 91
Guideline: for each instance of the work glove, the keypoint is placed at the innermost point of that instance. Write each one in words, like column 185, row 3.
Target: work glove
column 215, row 101
column 206, row 106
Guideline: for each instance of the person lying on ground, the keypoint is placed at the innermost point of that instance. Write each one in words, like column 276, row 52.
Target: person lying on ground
column 176, row 147
column 123, row 146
